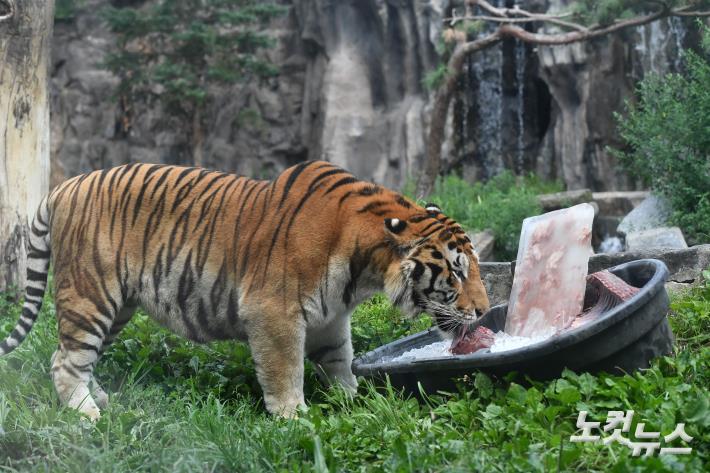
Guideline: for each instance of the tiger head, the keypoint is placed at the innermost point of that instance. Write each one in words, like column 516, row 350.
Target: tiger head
column 437, row 272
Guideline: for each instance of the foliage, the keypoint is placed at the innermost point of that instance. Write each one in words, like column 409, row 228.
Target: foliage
column 668, row 134
column 605, row 12
column 434, row 78
column 65, row 10
column 500, row 204
column 377, row 322
column 175, row 49
column 171, row 410
column 690, row 315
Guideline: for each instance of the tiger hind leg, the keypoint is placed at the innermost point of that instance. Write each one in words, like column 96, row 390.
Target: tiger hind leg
column 71, row 373
column 82, row 335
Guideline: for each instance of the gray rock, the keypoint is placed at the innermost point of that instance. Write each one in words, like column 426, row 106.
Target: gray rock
column 483, row 242
column 561, row 200
column 618, row 203
column 662, row 237
column 498, row 279
column 684, row 265
column 374, row 120
column 653, row 212
column 685, row 268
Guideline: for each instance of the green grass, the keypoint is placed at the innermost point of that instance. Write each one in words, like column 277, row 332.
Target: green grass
column 500, row 204
column 176, row 406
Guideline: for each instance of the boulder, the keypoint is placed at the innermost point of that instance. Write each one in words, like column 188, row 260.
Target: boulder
column 483, row 242
column 498, row 279
column 653, row 212
column 685, row 267
column 662, row 237
column 618, row 203
column 561, row 200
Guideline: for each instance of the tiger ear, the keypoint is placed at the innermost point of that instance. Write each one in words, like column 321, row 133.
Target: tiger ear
column 395, row 225
column 433, row 209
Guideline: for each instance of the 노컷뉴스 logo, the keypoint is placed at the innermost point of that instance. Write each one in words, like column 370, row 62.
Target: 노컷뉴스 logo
column 618, row 423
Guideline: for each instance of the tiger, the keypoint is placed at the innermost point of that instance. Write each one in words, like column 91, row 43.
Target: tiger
column 210, row 255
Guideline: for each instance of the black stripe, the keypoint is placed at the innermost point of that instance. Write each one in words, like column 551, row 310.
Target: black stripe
column 292, row 179
column 160, row 180
column 186, row 284
column 76, row 344
column 182, row 175
column 232, row 309
column 372, row 206
column 37, row 231
column 342, row 182
column 33, row 291
column 433, row 230
column 320, row 353
column 419, row 218
column 24, row 325
column 36, row 253
column 418, row 270
column 29, row 314
column 80, row 322
column 33, row 275
column 401, row 200
column 435, row 222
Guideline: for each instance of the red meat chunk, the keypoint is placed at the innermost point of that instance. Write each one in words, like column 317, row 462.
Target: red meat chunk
column 472, row 341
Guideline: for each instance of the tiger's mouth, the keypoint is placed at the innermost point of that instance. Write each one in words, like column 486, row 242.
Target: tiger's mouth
column 450, row 320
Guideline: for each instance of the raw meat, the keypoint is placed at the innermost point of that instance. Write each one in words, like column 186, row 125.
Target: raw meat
column 604, row 292
column 472, row 341
column 549, row 284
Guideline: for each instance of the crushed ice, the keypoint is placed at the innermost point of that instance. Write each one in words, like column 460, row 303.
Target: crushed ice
column 502, row 342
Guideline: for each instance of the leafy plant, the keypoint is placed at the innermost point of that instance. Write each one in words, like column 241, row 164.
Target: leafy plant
column 180, row 406
column 65, row 10
column 690, row 315
column 668, row 137
column 500, row 204
column 377, row 322
column 434, row 78
column 174, row 51
column 604, row 12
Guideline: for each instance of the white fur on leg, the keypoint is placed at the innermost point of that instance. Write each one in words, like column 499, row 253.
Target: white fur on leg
column 73, row 391
column 287, row 407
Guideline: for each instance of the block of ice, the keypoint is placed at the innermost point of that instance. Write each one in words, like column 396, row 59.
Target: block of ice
column 550, row 271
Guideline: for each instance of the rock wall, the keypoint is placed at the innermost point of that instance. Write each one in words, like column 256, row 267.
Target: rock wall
column 350, row 91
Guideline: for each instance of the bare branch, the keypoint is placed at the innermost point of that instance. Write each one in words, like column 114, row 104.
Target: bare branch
column 690, row 13
column 532, row 18
column 487, row 7
column 573, row 37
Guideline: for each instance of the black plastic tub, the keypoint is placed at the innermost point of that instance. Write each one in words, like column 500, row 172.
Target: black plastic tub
column 623, row 339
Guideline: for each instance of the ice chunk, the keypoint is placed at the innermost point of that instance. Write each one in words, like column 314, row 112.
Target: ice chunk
column 505, row 342
column 549, row 283
column 433, row 350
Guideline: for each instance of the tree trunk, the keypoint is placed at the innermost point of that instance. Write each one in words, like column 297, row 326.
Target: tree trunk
column 25, row 34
